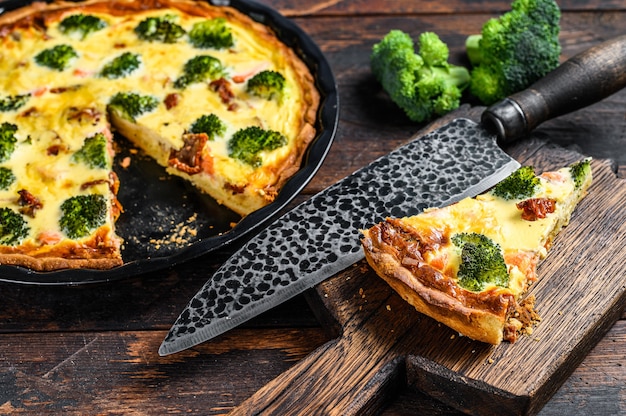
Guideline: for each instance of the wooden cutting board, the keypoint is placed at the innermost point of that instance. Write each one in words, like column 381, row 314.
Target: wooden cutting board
column 381, row 343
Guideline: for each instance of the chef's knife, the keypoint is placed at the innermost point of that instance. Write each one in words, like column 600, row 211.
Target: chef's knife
column 320, row 237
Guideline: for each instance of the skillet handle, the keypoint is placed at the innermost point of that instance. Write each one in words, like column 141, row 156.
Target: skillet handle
column 582, row 80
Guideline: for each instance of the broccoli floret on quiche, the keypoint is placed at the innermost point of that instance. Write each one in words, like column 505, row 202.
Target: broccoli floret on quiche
column 267, row 84
column 81, row 25
column 212, row 33
column 199, row 69
column 131, row 105
column 580, row 171
column 82, row 214
column 94, row 152
column 247, row 143
column 209, row 124
column 7, row 178
column 521, row 184
column 7, row 140
column 13, row 102
column 482, row 262
column 58, row 57
column 13, row 227
column 161, row 29
column 121, row 66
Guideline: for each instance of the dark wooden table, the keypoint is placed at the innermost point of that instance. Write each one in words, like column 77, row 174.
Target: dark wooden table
column 93, row 350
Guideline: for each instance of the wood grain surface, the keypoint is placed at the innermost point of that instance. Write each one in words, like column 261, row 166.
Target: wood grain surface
column 93, row 350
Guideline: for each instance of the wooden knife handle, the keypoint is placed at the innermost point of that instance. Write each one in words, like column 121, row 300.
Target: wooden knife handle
column 580, row 81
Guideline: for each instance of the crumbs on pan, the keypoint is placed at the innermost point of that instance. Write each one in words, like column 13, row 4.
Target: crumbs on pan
column 180, row 235
column 125, row 162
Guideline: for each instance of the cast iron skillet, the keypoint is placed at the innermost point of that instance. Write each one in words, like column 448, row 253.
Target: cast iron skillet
column 160, row 211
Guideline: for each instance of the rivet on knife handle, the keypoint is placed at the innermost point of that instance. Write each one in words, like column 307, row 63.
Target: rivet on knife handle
column 581, row 81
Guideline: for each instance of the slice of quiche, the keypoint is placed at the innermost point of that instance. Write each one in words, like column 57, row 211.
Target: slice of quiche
column 57, row 185
column 469, row 264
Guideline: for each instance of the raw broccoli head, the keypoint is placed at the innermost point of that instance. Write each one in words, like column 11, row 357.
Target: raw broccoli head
column 58, row 57
column 580, row 171
column 6, row 178
column 121, row 66
column 94, row 152
column 161, row 29
column 247, row 143
column 209, row 124
column 13, row 102
column 7, row 140
column 13, row 227
column 396, row 66
column 82, row 214
column 198, row 69
column 131, row 105
column 267, row 84
column 482, row 262
column 81, row 25
column 521, row 184
column 212, row 33
column 514, row 50
column 422, row 83
column 433, row 50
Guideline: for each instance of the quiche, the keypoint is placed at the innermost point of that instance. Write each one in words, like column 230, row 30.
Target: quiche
column 468, row 265
column 207, row 92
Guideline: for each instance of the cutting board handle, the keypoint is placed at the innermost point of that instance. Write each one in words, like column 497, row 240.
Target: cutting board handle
column 580, row 81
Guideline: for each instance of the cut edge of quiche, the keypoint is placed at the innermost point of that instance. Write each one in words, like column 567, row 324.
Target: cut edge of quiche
column 431, row 259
